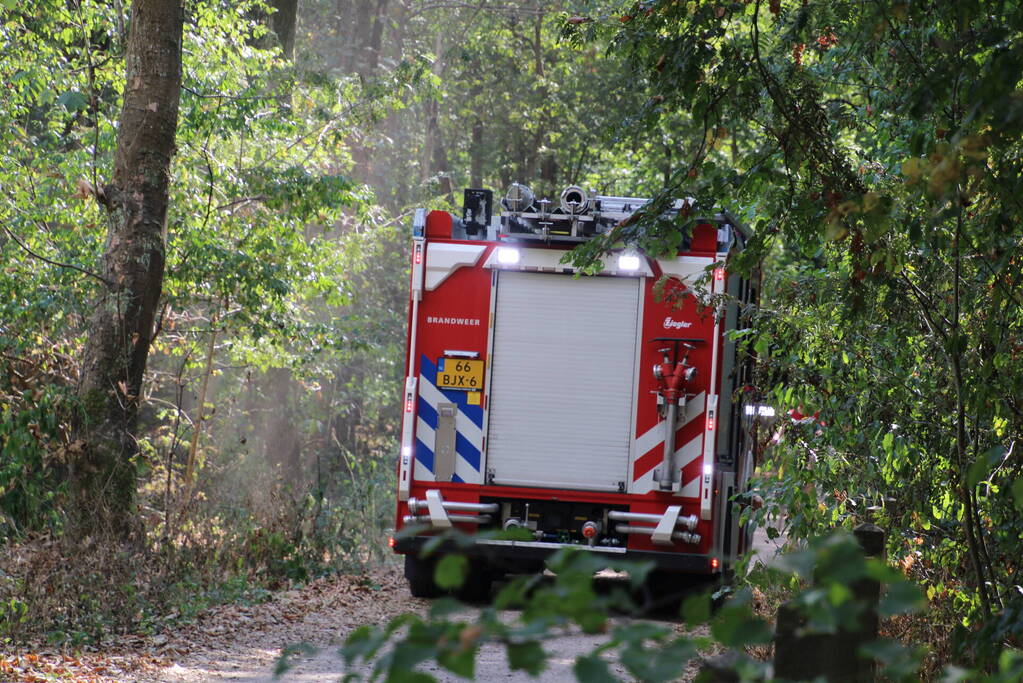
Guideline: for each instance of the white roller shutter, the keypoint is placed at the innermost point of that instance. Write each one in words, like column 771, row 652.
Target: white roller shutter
column 562, row 382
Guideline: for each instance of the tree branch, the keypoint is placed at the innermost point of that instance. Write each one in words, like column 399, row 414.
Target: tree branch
column 42, row 258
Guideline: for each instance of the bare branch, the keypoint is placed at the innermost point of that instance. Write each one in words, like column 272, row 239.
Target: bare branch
column 42, row 258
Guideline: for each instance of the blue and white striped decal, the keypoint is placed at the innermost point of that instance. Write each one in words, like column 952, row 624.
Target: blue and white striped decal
column 468, row 428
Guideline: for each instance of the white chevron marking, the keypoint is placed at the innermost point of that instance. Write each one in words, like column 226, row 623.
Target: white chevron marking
column 463, row 469
column 692, row 489
column 424, row 433
column 466, row 427
column 655, row 435
column 683, row 456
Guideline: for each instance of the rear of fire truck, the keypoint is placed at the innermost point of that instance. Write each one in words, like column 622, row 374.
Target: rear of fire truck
column 594, row 411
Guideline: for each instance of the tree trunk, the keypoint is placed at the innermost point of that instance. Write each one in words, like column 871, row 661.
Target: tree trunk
column 344, row 29
column 372, row 55
column 434, row 159
column 281, row 439
column 282, row 22
column 476, row 155
column 360, row 39
column 103, row 473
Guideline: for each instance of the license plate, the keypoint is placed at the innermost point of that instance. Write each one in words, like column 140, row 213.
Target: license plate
column 460, row 373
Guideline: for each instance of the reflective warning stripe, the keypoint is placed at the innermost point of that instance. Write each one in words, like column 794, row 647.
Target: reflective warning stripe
column 468, row 428
column 653, row 440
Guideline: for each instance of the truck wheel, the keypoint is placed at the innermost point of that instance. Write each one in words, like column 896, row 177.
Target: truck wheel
column 664, row 591
column 661, row 593
column 478, row 583
column 419, row 573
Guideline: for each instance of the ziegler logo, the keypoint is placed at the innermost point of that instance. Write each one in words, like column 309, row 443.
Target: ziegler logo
column 470, row 322
column 671, row 323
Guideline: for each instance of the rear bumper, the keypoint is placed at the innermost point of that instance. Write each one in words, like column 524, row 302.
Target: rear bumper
column 498, row 552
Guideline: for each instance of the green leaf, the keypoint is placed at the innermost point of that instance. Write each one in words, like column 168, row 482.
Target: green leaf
column 761, row 346
column 405, row 657
column 696, row 609
column 528, row 656
column 1017, row 493
column 408, row 676
column 897, row 661
column 801, row 562
column 879, row 570
column 983, row 465
column 445, row 606
column 639, row 631
column 451, row 571
column 658, row 664
column 73, row 101
column 839, row 593
column 514, row 593
column 901, row 598
column 460, row 661
column 978, row 471
column 593, row 669
column 362, row 642
column 738, row 627
column 1010, row 664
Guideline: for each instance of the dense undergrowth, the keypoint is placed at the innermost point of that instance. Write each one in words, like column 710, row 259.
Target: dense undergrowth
column 223, row 548
column 291, row 475
column 75, row 591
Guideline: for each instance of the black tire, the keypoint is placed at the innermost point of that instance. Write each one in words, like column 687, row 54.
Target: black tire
column 419, row 574
column 661, row 592
column 478, row 583
column 664, row 591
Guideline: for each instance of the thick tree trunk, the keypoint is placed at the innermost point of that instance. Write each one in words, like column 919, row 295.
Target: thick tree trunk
column 282, row 22
column 103, row 474
column 281, row 439
column 372, row 56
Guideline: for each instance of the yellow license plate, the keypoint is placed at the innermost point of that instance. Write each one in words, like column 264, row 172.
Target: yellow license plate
column 460, row 373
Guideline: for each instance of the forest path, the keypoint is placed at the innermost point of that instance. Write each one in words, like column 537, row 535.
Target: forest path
column 241, row 644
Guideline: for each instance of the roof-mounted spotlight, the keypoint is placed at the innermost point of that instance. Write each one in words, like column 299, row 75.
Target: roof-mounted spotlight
column 518, row 198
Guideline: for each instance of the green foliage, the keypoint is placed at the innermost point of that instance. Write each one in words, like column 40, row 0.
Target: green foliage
column 873, row 148
column 13, row 612
column 649, row 651
column 453, row 643
column 451, row 571
column 31, row 431
column 593, row 668
column 736, row 627
column 276, row 264
column 877, row 162
column 506, row 99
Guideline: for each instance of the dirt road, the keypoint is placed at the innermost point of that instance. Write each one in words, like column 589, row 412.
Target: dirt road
column 242, row 644
column 235, row 643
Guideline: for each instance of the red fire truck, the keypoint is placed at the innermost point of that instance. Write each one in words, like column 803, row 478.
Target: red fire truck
column 600, row 411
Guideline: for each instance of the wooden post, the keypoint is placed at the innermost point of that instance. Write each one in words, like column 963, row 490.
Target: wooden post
column 835, row 656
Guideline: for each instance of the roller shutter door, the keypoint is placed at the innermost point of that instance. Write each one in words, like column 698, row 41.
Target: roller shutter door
column 563, row 380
